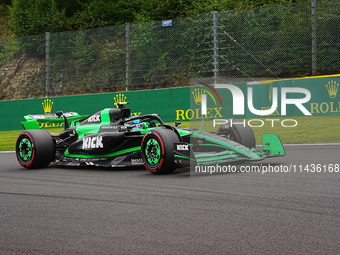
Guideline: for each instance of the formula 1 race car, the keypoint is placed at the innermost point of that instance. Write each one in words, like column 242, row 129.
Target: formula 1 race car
column 112, row 138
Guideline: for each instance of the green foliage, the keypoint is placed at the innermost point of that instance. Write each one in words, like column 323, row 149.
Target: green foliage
column 82, row 51
column 37, row 17
column 88, row 61
column 103, row 13
column 4, row 22
column 9, row 50
column 263, row 42
column 40, row 16
column 159, row 10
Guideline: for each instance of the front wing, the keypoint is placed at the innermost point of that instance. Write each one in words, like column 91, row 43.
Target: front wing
column 208, row 148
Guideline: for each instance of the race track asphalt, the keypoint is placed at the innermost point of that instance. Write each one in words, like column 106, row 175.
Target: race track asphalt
column 130, row 211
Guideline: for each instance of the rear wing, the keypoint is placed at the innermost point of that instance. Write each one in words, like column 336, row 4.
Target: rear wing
column 35, row 121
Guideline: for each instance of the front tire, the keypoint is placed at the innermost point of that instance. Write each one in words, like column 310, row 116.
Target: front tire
column 158, row 151
column 35, row 148
column 239, row 132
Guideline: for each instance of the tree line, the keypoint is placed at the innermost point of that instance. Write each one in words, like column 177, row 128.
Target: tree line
column 32, row 17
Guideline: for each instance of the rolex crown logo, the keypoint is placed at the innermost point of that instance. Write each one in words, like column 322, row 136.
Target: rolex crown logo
column 270, row 93
column 197, row 93
column 119, row 98
column 332, row 88
column 47, row 105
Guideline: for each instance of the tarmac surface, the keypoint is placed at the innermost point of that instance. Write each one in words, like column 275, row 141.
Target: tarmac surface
column 289, row 207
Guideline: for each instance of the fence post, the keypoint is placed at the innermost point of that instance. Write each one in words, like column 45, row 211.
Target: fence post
column 216, row 56
column 48, row 62
column 314, row 37
column 127, row 56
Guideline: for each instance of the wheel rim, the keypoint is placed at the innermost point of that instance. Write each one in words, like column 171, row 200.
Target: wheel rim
column 25, row 149
column 152, row 152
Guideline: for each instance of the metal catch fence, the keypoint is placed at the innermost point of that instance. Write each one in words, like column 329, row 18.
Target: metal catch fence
column 294, row 40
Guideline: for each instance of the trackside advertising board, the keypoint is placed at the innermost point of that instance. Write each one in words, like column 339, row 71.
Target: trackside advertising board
column 324, row 96
column 162, row 101
column 280, row 98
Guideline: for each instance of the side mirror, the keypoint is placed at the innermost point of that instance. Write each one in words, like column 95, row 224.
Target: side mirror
column 59, row 114
column 177, row 123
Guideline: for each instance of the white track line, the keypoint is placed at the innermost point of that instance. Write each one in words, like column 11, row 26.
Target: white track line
column 307, row 144
column 313, row 144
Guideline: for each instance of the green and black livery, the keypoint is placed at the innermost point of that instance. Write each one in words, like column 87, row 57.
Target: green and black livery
column 112, row 138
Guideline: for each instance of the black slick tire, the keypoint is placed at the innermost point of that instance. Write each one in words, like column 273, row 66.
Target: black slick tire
column 239, row 132
column 35, row 148
column 157, row 150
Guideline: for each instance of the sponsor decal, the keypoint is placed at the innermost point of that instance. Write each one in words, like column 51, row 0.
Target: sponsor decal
column 94, row 118
column 328, row 106
column 332, row 88
column 119, row 98
column 93, row 142
column 196, row 113
column 323, row 106
column 47, row 106
column 182, row 147
column 50, row 125
column 122, row 98
column 110, row 127
column 136, row 161
column 276, row 112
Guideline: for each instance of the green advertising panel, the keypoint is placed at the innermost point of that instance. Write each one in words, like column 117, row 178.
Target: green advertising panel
column 185, row 104
column 165, row 102
column 325, row 99
column 216, row 107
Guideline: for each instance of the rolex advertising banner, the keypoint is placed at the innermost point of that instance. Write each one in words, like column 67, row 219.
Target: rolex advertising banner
column 255, row 99
column 165, row 102
column 216, row 102
column 297, row 97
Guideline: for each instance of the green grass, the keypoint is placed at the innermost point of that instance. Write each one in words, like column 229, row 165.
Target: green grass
column 8, row 138
column 316, row 129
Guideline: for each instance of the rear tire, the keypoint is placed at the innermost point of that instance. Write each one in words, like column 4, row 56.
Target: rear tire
column 158, row 151
column 35, row 148
column 240, row 132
